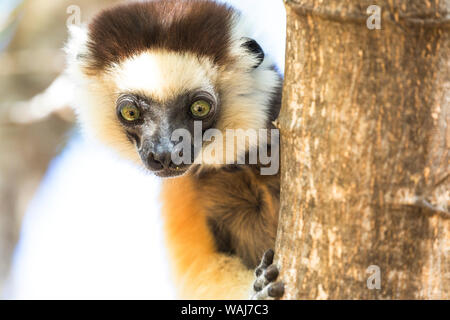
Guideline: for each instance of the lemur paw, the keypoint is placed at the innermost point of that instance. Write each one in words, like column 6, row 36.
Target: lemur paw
column 265, row 285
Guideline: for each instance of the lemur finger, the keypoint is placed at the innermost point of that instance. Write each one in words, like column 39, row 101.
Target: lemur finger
column 265, row 262
column 265, row 277
column 273, row 291
column 258, row 271
column 259, row 283
column 267, row 259
column 276, row 290
column 271, row 273
column 261, row 295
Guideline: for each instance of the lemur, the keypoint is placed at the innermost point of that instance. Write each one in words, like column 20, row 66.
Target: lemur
column 145, row 69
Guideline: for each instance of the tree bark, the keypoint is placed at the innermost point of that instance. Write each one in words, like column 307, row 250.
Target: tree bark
column 365, row 151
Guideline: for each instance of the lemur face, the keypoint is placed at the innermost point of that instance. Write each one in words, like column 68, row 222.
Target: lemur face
column 147, row 69
column 179, row 90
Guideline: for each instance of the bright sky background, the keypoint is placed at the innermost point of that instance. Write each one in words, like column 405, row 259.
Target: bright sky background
column 93, row 229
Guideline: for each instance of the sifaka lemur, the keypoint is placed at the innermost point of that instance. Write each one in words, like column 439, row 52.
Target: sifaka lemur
column 146, row 69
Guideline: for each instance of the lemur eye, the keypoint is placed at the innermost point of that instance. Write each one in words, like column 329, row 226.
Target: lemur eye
column 130, row 112
column 200, row 108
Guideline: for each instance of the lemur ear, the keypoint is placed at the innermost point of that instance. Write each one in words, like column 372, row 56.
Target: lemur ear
column 255, row 49
column 76, row 47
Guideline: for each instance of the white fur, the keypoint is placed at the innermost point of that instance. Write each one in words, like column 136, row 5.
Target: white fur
column 76, row 47
column 245, row 93
column 163, row 75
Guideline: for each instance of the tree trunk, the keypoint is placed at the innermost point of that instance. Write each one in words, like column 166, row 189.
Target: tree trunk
column 365, row 162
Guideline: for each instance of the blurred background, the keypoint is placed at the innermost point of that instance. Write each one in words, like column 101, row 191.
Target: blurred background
column 64, row 233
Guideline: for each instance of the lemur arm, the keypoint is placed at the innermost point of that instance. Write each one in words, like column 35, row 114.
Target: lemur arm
column 199, row 270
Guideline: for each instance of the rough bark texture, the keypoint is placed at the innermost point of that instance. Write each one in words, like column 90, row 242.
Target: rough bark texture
column 365, row 140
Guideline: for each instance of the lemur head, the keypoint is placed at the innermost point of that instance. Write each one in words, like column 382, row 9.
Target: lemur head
column 146, row 69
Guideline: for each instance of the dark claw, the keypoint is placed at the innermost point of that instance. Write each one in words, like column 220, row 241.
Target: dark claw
column 276, row 290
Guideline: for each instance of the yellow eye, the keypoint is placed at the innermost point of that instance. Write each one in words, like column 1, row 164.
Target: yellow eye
column 200, row 108
column 130, row 112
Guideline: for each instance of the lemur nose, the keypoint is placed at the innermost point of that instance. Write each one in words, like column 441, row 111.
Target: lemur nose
column 160, row 161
